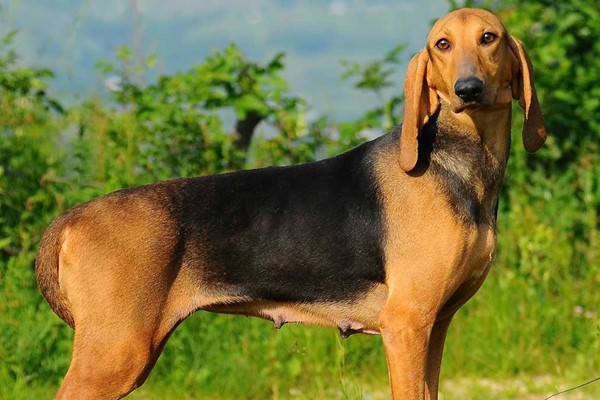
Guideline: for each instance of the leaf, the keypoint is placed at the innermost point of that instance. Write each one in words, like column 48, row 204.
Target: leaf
column 104, row 67
column 294, row 367
column 5, row 242
column 276, row 63
column 151, row 60
column 352, row 68
column 249, row 102
column 393, row 56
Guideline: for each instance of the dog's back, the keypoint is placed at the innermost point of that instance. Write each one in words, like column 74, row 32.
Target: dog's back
column 249, row 233
column 260, row 230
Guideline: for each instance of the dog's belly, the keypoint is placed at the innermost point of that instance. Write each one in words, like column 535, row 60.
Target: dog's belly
column 356, row 316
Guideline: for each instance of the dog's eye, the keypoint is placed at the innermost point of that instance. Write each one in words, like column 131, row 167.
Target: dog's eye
column 488, row 37
column 443, row 44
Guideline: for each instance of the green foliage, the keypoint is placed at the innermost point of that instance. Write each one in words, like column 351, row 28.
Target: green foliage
column 25, row 153
column 225, row 79
column 179, row 119
column 29, row 150
column 375, row 76
column 563, row 187
column 564, row 38
column 487, row 4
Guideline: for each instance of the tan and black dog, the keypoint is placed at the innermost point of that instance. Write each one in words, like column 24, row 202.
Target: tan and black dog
column 392, row 237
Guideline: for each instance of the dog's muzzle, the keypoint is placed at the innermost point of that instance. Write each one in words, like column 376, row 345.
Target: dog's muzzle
column 469, row 89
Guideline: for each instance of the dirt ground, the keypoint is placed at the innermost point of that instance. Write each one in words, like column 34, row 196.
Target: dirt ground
column 536, row 388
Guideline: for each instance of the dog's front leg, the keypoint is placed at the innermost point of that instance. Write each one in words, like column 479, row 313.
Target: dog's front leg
column 405, row 333
column 434, row 361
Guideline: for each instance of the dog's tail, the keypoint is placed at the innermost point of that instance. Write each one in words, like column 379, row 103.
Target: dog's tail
column 46, row 269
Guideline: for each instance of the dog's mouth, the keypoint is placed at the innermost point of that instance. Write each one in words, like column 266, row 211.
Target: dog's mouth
column 484, row 100
column 458, row 105
column 470, row 105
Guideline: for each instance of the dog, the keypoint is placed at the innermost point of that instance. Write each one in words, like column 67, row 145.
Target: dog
column 390, row 238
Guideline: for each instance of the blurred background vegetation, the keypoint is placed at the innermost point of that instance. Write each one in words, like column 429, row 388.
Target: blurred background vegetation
column 534, row 327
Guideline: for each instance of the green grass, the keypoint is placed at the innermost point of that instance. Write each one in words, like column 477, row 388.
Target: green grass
column 237, row 357
column 510, row 341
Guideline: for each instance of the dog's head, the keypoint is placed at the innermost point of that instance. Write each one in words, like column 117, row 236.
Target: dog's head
column 470, row 64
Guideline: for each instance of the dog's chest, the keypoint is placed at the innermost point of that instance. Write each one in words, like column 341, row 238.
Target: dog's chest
column 480, row 254
column 469, row 177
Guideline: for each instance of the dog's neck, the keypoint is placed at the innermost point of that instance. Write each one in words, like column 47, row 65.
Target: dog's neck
column 470, row 150
column 490, row 126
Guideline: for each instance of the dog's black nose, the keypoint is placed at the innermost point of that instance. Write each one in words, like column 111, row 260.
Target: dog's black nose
column 468, row 89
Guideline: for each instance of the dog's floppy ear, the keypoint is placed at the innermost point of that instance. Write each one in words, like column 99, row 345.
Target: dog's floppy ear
column 420, row 102
column 523, row 89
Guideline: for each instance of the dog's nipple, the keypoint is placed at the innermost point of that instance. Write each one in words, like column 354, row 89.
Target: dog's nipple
column 278, row 321
column 348, row 328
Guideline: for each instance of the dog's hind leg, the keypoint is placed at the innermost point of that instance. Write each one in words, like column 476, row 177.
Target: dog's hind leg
column 116, row 346
column 117, row 343
column 108, row 366
column 123, row 291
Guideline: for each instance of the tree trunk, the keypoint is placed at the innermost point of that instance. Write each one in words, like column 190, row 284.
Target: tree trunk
column 245, row 129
